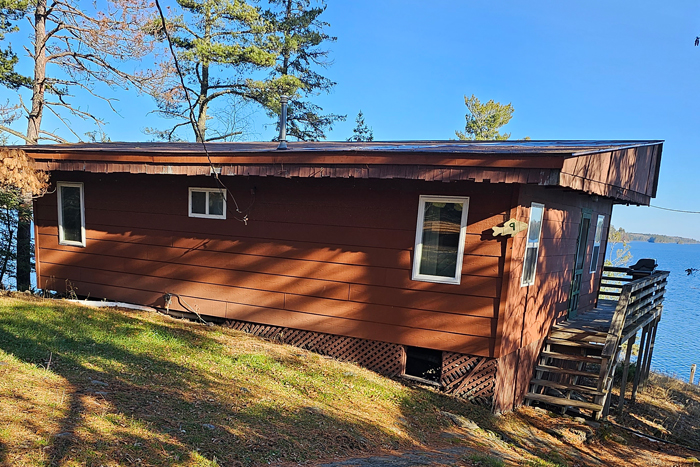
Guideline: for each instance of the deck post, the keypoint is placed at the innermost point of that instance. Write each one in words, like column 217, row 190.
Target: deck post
column 625, row 371
column 641, row 359
column 608, row 389
column 647, row 366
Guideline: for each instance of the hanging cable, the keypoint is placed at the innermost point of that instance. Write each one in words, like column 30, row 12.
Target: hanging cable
column 198, row 135
column 168, row 301
column 674, row 210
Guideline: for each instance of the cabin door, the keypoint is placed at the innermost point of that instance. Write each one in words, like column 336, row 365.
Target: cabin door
column 578, row 265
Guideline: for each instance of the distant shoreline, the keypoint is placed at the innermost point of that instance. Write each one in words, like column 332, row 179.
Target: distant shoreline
column 655, row 238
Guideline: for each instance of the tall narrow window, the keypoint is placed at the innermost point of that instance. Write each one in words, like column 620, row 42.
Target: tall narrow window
column 207, row 202
column 534, row 232
column 71, row 214
column 440, row 233
column 596, row 243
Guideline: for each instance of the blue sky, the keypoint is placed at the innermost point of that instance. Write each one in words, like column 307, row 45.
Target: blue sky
column 572, row 70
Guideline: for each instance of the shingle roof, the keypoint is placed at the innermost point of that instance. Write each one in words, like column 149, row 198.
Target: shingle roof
column 522, row 147
column 626, row 171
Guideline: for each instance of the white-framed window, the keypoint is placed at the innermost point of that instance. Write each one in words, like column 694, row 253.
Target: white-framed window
column 595, row 255
column 71, row 213
column 440, row 233
column 532, row 248
column 207, row 202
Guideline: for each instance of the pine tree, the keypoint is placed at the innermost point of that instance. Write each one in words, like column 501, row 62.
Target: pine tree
column 484, row 120
column 220, row 45
column 301, row 38
column 361, row 132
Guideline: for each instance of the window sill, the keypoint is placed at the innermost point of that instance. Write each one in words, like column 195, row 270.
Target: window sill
column 437, row 279
column 68, row 243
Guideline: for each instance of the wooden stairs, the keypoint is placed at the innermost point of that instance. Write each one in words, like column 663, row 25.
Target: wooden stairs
column 576, row 366
column 568, row 373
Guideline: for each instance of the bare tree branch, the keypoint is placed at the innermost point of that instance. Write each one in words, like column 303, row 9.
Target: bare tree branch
column 14, row 133
column 227, row 135
column 51, row 109
column 51, row 137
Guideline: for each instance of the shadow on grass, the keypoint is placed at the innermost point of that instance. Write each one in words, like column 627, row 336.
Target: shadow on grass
column 667, row 408
column 137, row 397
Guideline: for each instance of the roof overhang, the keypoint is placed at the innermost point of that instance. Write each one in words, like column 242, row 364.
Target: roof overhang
column 626, row 171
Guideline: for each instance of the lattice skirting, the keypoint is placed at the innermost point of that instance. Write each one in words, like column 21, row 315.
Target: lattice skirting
column 384, row 358
column 473, row 378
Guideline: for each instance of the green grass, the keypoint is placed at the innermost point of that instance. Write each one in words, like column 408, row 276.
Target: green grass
column 91, row 387
column 486, row 461
column 126, row 385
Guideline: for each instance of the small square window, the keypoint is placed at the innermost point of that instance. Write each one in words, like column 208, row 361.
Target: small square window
column 207, row 202
column 440, row 234
column 71, row 214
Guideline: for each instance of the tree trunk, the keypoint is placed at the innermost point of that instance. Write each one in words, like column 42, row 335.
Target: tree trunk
column 8, row 249
column 203, row 106
column 200, row 126
column 285, row 52
column 37, row 111
column 24, row 247
column 24, row 242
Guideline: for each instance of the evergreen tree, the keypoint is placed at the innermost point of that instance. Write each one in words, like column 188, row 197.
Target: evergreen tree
column 300, row 37
column 219, row 46
column 361, row 132
column 484, row 120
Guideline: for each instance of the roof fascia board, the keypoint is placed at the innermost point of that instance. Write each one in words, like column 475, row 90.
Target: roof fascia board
column 534, row 160
column 618, row 148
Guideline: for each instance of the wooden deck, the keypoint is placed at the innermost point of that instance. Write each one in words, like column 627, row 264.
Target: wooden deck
column 596, row 320
column 578, row 361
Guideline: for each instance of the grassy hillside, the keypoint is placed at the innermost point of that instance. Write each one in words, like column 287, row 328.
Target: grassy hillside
column 81, row 386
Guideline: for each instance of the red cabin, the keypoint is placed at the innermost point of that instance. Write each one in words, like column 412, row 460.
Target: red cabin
column 446, row 261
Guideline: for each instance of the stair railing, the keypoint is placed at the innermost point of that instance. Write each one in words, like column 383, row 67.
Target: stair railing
column 639, row 303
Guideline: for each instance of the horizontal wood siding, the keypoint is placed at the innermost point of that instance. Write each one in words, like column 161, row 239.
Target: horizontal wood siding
column 629, row 174
column 548, row 298
column 324, row 255
column 530, row 311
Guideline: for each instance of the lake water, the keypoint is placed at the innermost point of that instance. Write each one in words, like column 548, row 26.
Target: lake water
column 678, row 337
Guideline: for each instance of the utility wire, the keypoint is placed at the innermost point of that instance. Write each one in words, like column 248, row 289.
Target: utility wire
column 674, row 210
column 194, row 123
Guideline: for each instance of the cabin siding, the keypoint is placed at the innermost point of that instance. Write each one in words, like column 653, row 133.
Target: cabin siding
column 531, row 310
column 630, row 173
column 330, row 256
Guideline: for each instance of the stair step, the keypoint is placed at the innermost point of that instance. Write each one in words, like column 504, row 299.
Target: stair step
column 562, row 402
column 579, row 336
column 572, row 358
column 567, row 387
column 579, row 330
column 564, row 371
column 569, row 343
